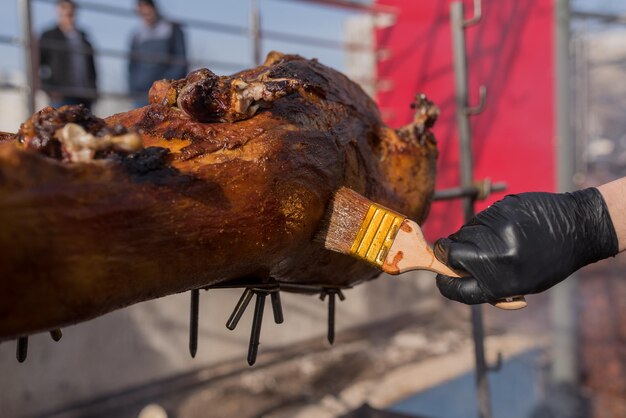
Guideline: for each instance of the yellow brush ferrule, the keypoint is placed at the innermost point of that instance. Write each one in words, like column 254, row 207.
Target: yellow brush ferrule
column 376, row 234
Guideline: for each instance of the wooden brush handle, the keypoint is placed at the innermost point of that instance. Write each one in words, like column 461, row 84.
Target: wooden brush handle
column 410, row 251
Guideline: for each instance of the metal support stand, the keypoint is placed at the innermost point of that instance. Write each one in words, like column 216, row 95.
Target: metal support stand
column 56, row 335
column 463, row 113
column 194, row 310
column 331, row 292
column 277, row 307
column 255, row 332
column 22, row 349
column 257, row 320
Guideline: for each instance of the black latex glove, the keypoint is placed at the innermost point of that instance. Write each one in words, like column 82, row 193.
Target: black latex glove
column 526, row 244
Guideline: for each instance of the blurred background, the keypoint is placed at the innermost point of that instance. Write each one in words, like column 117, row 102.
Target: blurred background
column 554, row 77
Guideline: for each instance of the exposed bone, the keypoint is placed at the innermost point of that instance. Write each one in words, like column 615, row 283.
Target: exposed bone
column 82, row 146
column 246, row 96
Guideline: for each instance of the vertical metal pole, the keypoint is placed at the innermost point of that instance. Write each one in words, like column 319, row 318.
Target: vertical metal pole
column 482, row 369
column 457, row 17
column 564, row 356
column 255, row 32
column 28, row 44
column 585, row 108
column 580, row 87
column 580, row 97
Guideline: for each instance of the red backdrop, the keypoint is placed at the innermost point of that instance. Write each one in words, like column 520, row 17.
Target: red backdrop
column 511, row 52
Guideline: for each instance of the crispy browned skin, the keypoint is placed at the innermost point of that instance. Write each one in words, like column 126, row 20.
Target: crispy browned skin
column 235, row 198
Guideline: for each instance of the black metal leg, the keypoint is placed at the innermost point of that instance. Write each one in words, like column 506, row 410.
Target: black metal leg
column 240, row 308
column 56, row 334
column 331, row 317
column 22, row 349
column 193, row 322
column 331, row 309
column 257, row 321
column 277, row 307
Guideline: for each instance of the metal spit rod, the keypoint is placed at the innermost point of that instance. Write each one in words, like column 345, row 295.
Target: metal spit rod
column 480, row 191
column 463, row 113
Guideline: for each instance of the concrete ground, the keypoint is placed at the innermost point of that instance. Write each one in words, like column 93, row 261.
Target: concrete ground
column 516, row 390
column 378, row 364
column 399, row 347
column 148, row 342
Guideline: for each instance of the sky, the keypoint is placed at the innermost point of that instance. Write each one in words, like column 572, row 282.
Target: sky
column 113, row 32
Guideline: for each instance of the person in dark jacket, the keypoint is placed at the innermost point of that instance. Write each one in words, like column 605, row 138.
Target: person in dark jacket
column 67, row 70
column 157, row 51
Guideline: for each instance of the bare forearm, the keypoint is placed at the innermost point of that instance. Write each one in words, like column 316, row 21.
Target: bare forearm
column 614, row 194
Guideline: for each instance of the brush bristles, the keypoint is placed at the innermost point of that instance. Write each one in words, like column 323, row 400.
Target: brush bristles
column 343, row 219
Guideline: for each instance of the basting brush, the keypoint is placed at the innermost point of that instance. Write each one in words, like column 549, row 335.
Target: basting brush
column 355, row 226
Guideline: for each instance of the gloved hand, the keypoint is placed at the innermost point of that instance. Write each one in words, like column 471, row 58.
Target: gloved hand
column 526, row 244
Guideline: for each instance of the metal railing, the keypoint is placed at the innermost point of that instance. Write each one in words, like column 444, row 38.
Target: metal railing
column 255, row 32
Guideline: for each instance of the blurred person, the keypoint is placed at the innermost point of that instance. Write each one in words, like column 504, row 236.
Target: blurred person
column 527, row 243
column 67, row 70
column 157, row 51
